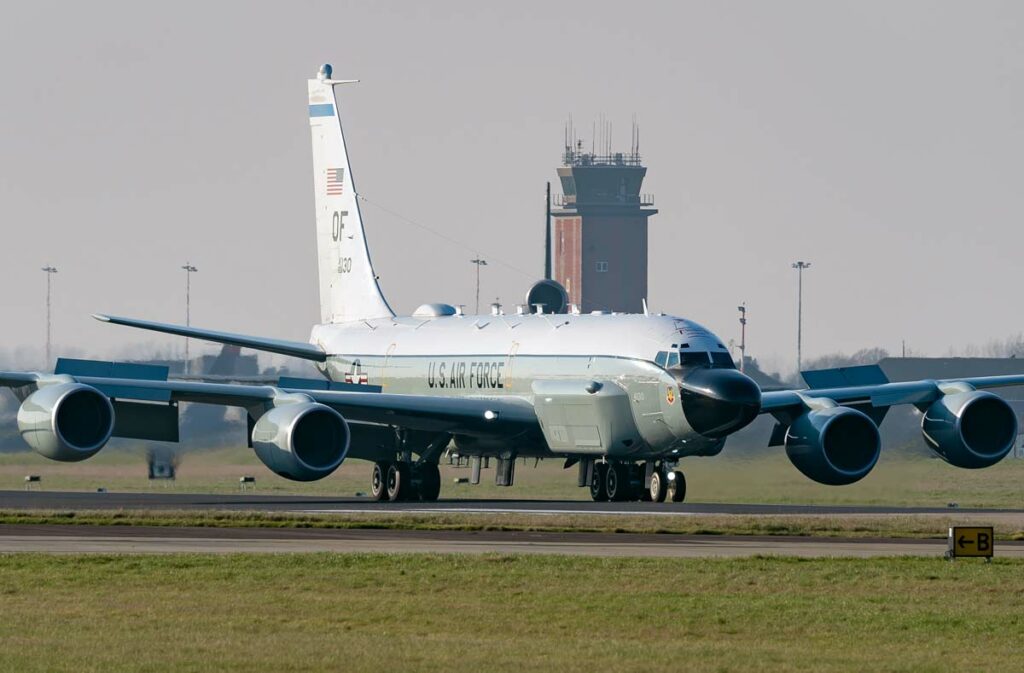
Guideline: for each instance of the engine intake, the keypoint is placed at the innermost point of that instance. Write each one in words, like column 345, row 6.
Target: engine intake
column 66, row 421
column 834, row 446
column 971, row 429
column 301, row 441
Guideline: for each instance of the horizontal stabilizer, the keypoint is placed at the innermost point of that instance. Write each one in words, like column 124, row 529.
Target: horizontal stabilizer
column 295, row 349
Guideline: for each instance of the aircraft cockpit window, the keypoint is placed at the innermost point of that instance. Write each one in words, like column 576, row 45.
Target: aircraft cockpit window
column 722, row 360
column 673, row 360
column 661, row 358
column 694, row 359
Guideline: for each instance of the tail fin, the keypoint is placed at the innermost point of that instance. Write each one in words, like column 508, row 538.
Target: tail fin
column 348, row 286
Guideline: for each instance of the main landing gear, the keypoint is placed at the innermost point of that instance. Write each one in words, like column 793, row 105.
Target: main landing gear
column 619, row 482
column 404, row 481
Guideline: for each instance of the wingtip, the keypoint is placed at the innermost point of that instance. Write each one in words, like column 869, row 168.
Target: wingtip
column 101, row 317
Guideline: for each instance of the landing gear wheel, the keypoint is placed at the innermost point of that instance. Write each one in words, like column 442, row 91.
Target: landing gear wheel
column 658, row 489
column 379, row 481
column 399, row 482
column 430, row 482
column 598, row 482
column 617, row 482
column 676, row 486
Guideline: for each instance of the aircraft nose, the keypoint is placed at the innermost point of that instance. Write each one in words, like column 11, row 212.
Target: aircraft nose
column 718, row 402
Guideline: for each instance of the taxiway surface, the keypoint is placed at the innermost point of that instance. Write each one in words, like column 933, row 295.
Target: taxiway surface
column 61, row 539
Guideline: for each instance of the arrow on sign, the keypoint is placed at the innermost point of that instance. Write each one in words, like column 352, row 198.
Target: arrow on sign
column 964, row 541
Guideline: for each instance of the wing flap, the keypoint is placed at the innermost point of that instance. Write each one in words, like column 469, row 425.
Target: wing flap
column 119, row 370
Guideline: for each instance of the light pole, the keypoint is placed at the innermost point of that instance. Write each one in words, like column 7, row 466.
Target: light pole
column 189, row 270
column 479, row 262
column 800, row 266
column 743, row 334
column 50, row 270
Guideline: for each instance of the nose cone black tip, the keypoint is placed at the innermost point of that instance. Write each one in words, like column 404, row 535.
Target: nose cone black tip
column 718, row 402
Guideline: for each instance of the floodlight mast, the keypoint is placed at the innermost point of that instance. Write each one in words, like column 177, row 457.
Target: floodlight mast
column 800, row 266
column 479, row 262
column 743, row 334
column 50, row 270
column 189, row 270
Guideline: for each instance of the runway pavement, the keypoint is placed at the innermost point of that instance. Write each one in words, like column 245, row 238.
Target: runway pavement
column 67, row 501
column 157, row 540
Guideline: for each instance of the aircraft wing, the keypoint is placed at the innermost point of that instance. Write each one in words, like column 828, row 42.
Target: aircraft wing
column 880, row 395
column 472, row 415
column 296, row 349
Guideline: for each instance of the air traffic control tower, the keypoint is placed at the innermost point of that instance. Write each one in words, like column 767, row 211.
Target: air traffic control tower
column 600, row 229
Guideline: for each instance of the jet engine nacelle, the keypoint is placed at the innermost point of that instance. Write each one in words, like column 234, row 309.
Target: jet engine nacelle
column 66, row 421
column 303, row 441
column 834, row 446
column 971, row 429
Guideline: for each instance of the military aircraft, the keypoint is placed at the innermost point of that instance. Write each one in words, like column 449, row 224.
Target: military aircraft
column 623, row 397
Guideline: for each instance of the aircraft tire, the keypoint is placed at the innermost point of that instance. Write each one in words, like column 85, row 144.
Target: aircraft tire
column 598, row 484
column 677, row 487
column 430, row 482
column 399, row 482
column 617, row 482
column 658, row 489
column 379, row 481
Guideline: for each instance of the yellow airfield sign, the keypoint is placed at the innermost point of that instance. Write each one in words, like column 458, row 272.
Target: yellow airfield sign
column 971, row 541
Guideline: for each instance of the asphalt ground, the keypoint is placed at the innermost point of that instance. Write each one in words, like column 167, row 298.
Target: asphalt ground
column 61, row 539
column 253, row 502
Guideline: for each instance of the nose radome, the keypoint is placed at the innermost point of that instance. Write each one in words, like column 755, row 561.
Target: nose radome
column 718, row 402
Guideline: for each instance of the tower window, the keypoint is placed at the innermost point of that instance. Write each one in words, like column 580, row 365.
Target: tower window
column 602, row 267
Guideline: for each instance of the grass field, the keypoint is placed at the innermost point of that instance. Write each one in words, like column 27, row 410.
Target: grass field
column 770, row 479
column 505, row 613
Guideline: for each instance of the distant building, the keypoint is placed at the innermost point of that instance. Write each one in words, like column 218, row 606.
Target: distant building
column 600, row 230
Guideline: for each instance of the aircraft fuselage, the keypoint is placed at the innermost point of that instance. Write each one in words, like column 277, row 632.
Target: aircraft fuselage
column 539, row 358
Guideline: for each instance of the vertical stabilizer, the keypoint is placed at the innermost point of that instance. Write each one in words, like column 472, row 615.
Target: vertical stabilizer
column 348, row 285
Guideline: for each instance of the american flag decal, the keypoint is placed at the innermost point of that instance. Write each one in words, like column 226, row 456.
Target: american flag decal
column 335, row 179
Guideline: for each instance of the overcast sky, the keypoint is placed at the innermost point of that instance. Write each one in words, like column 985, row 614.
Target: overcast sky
column 881, row 141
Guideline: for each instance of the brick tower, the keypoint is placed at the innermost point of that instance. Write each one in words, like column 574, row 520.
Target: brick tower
column 600, row 229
